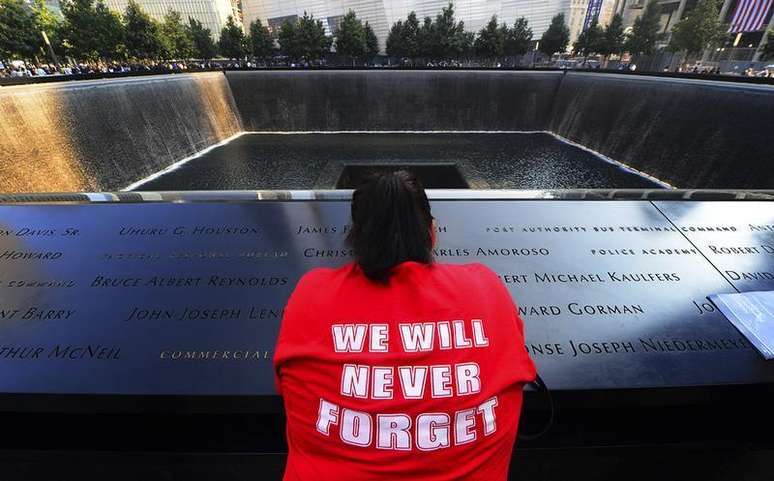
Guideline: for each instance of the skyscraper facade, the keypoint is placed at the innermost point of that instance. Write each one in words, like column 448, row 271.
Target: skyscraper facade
column 213, row 14
column 581, row 12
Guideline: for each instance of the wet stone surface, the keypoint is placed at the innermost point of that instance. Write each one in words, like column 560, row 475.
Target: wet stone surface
column 316, row 161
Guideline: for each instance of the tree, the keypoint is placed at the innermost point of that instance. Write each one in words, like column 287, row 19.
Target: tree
column 232, row 42
column 109, row 33
column 556, row 37
column 351, row 37
column 288, row 40
column 91, row 31
column 645, row 32
column 518, row 38
column 178, row 43
column 18, row 31
column 372, row 43
column 411, row 35
column 203, row 45
column 699, row 29
column 465, row 42
column 313, row 39
column 580, row 46
column 304, row 38
column 490, row 42
column 589, row 40
column 394, row 44
column 143, row 33
column 595, row 37
column 612, row 38
column 426, row 41
column 449, row 38
column 261, row 40
column 48, row 23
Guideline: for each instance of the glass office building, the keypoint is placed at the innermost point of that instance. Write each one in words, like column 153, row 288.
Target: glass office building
column 212, row 13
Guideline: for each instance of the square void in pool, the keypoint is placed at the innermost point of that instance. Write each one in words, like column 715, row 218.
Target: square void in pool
column 496, row 160
column 432, row 176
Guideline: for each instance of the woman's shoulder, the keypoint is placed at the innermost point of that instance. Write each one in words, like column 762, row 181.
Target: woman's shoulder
column 473, row 274
column 317, row 276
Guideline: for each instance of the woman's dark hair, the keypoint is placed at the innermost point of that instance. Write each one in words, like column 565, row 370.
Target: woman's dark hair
column 391, row 223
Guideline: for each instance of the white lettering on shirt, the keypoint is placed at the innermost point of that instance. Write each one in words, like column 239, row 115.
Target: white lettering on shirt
column 393, row 431
column 412, row 381
column 349, row 337
column 380, row 335
column 354, row 381
column 417, row 337
column 356, row 427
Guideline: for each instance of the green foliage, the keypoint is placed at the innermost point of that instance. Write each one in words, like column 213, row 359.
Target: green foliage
column 443, row 37
column 372, row 43
column 613, row 37
column 304, row 38
column 699, row 29
column 645, row 32
column 203, row 45
column 44, row 17
column 109, row 34
column 351, row 37
column 261, row 40
column 556, row 37
column 21, row 29
column 448, row 37
column 426, row 44
column 403, row 39
column 288, row 40
column 590, row 40
column 91, row 31
column 518, row 38
column 410, row 35
column 19, row 35
column 394, row 45
column 143, row 33
column 581, row 45
column 490, row 42
column 178, row 43
column 47, row 22
column 233, row 43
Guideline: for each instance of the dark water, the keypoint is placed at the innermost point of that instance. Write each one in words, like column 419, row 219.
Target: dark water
column 316, row 161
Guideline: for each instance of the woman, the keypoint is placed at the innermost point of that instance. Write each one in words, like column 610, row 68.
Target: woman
column 397, row 367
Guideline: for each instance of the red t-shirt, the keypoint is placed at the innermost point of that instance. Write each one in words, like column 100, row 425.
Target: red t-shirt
column 418, row 379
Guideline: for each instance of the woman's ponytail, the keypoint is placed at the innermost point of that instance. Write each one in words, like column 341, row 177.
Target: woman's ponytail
column 391, row 223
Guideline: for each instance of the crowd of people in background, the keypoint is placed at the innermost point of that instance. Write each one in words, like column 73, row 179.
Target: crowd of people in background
column 21, row 69
column 766, row 72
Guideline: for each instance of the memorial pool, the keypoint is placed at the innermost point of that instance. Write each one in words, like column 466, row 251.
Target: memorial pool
column 492, row 160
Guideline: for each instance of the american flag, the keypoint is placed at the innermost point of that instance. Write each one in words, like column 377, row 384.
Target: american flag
column 750, row 15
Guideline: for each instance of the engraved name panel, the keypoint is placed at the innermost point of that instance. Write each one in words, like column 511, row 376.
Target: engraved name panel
column 186, row 299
